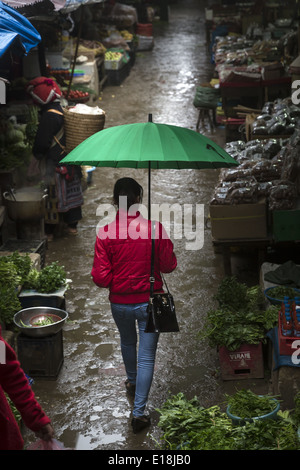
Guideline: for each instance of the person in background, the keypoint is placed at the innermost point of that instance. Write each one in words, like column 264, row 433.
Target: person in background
column 63, row 182
column 122, row 263
column 15, row 385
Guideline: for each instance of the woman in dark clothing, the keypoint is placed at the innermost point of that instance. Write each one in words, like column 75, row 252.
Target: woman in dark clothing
column 64, row 183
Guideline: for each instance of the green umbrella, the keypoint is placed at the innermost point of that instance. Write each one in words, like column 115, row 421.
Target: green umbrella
column 149, row 145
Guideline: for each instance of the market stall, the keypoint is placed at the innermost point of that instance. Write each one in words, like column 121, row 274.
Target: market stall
column 281, row 283
column 257, row 204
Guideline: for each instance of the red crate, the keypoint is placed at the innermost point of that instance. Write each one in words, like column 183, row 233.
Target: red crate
column 243, row 363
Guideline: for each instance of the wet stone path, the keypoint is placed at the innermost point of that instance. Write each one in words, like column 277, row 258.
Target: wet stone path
column 87, row 402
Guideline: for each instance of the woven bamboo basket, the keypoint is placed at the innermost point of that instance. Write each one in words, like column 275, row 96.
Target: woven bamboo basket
column 79, row 127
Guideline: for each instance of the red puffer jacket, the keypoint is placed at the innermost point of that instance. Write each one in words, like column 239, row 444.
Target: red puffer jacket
column 14, row 382
column 122, row 259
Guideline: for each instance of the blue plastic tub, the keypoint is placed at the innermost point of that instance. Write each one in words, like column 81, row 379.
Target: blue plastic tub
column 241, row 421
column 273, row 300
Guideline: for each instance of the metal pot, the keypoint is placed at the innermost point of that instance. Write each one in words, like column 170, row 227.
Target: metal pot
column 25, row 204
column 24, row 321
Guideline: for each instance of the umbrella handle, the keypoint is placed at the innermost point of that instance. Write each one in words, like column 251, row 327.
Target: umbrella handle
column 149, row 190
column 149, row 179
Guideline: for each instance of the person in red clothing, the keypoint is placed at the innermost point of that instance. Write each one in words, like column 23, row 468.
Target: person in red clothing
column 122, row 262
column 14, row 383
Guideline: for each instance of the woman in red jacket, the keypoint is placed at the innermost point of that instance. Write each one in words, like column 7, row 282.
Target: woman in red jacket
column 122, row 263
column 15, row 384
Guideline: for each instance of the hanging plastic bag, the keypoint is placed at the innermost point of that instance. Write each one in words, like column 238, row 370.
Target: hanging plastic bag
column 47, row 445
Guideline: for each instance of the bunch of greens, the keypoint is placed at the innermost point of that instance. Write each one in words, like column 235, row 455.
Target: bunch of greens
column 9, row 282
column 186, row 425
column 49, row 279
column 189, row 426
column 22, row 263
column 246, row 404
column 240, row 316
column 297, row 408
column 266, row 434
column 279, row 292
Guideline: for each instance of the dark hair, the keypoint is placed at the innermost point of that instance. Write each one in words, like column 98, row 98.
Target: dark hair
column 130, row 188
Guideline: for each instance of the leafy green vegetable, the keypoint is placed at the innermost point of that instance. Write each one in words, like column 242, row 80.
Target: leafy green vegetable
column 246, row 404
column 280, row 292
column 186, row 425
column 44, row 321
column 32, row 279
column 9, row 303
column 189, row 426
column 51, row 278
column 22, row 263
column 231, row 293
column 240, row 318
column 297, row 408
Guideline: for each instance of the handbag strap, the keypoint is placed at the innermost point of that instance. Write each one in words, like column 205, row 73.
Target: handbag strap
column 152, row 278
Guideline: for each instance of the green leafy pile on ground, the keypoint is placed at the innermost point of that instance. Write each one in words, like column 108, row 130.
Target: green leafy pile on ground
column 241, row 316
column 186, row 425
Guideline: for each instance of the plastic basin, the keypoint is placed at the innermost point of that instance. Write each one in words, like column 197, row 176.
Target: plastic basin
column 240, row 421
column 273, row 300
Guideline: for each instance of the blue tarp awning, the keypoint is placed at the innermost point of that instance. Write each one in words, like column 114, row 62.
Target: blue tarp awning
column 16, row 31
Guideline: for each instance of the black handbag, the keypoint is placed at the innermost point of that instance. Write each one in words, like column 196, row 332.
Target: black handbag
column 161, row 307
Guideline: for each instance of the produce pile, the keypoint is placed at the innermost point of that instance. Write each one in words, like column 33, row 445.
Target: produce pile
column 76, row 95
column 268, row 168
column 16, row 271
column 280, row 292
column 246, row 404
column 49, row 279
column 16, row 140
column 113, row 55
column 186, row 425
column 241, row 316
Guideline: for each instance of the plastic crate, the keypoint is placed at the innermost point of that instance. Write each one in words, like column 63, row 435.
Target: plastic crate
column 113, row 64
column 41, row 357
column 285, row 343
column 145, row 43
column 116, row 77
column 243, row 363
column 144, row 29
column 26, row 246
column 32, row 298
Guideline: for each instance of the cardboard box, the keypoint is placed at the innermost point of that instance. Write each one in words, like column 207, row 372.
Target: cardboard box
column 240, row 221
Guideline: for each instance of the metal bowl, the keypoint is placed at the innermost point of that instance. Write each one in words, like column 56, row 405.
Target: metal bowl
column 24, row 318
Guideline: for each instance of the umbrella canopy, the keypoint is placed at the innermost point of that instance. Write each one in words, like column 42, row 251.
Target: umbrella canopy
column 150, row 145
column 144, row 145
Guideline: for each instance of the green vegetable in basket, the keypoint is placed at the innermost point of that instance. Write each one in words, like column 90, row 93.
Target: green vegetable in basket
column 246, row 404
column 280, row 292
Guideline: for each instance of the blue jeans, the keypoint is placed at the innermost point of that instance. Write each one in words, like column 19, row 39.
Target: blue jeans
column 139, row 366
